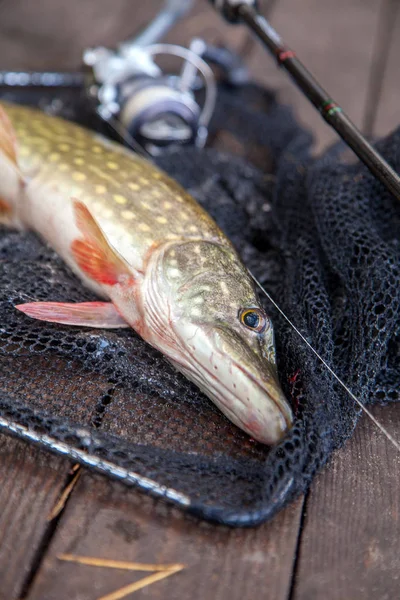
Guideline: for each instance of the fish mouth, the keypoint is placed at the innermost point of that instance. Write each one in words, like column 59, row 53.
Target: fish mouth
column 273, row 392
column 262, row 411
column 242, row 384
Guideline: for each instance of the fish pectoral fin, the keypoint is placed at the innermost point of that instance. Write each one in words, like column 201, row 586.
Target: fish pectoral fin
column 93, row 253
column 8, row 138
column 103, row 315
column 6, row 212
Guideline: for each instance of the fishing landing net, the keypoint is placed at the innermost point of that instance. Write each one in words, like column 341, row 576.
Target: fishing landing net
column 323, row 237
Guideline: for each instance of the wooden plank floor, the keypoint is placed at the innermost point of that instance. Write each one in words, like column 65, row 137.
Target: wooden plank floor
column 102, row 520
column 342, row 541
column 351, row 529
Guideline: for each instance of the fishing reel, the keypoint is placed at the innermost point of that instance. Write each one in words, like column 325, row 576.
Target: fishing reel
column 150, row 108
column 155, row 109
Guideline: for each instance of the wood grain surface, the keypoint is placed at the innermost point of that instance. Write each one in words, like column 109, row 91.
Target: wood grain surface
column 30, row 483
column 388, row 108
column 52, row 34
column 103, row 520
column 351, row 530
column 346, row 547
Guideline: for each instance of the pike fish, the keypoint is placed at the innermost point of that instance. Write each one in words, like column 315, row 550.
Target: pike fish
column 159, row 262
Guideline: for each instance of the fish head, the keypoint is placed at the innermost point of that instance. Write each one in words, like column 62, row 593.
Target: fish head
column 222, row 339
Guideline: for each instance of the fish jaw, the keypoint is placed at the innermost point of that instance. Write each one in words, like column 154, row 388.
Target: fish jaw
column 245, row 388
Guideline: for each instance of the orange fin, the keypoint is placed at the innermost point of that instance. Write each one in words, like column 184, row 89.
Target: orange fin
column 85, row 314
column 6, row 212
column 93, row 253
column 8, row 139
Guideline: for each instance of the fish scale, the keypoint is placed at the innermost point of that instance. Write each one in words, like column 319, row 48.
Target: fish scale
column 116, row 186
column 141, row 242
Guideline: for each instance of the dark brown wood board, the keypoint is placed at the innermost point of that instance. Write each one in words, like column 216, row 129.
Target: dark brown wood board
column 350, row 538
column 31, row 481
column 388, row 110
column 52, row 34
column 103, row 520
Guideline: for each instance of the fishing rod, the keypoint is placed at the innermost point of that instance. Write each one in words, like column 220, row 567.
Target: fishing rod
column 246, row 11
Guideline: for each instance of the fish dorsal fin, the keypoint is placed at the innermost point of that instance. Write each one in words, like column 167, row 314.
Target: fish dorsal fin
column 93, row 253
column 8, row 138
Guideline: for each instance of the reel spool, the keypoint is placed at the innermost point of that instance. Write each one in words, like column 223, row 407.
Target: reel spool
column 155, row 109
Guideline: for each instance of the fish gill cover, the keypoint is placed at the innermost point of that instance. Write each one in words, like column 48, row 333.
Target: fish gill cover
column 322, row 235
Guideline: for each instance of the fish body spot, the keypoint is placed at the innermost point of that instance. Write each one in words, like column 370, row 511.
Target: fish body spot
column 134, row 186
column 174, row 273
column 100, row 189
column 112, row 165
column 167, row 205
column 79, row 161
column 128, row 214
column 64, row 147
column 143, row 227
column 77, row 176
column 144, row 181
column 162, row 220
column 224, row 287
column 120, row 199
column 54, row 157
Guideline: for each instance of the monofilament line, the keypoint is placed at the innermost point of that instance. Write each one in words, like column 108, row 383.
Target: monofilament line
column 344, row 386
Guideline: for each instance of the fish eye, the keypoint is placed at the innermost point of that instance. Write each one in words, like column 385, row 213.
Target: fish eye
column 253, row 318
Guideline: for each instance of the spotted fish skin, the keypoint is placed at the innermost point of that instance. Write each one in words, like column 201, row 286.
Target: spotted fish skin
column 137, row 239
column 135, row 204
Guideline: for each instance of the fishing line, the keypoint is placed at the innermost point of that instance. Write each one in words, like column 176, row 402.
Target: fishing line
column 123, row 133
column 331, row 371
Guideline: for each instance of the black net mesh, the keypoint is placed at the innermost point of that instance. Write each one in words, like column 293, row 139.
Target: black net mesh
column 321, row 235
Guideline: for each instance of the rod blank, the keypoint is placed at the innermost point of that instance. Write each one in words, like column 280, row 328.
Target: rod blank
column 236, row 11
